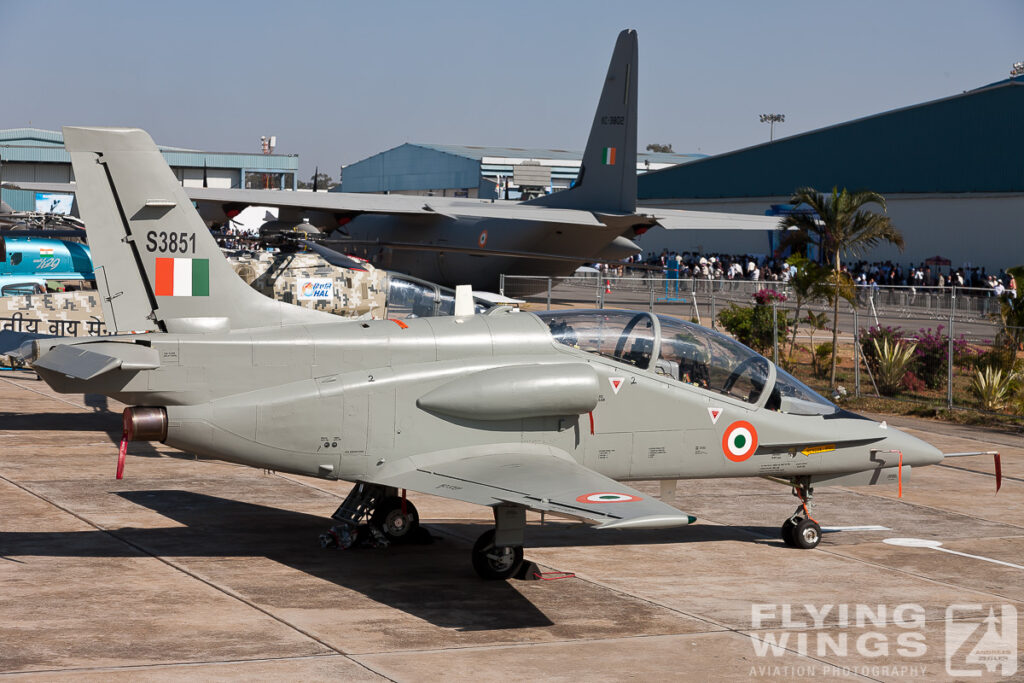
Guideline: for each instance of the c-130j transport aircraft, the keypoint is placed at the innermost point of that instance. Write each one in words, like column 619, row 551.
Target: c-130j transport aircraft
column 452, row 241
column 516, row 411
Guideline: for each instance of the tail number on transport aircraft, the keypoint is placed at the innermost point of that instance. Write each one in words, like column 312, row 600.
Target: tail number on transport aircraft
column 170, row 242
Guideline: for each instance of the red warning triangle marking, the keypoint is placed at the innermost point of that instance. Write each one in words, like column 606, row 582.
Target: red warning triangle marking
column 715, row 413
column 616, row 383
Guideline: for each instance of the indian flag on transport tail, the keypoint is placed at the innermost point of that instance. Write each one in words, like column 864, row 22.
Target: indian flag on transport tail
column 182, row 277
column 608, row 157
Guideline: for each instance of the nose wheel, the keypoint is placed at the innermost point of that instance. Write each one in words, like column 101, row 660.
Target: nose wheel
column 801, row 530
column 801, row 533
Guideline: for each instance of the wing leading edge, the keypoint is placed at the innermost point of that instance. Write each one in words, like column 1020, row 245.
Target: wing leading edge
column 537, row 477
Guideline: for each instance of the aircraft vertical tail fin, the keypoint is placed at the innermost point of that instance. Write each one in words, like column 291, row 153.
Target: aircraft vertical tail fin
column 157, row 265
column 607, row 178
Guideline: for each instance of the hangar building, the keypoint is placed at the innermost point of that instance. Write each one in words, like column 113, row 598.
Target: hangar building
column 469, row 171
column 34, row 155
column 951, row 170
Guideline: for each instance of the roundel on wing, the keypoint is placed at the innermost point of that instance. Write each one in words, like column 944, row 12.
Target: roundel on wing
column 607, row 497
column 482, row 240
column 739, row 441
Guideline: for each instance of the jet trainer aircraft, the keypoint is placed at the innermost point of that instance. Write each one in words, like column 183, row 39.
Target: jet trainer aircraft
column 514, row 411
column 472, row 241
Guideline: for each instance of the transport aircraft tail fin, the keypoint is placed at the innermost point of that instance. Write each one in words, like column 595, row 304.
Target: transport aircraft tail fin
column 157, row 266
column 607, row 178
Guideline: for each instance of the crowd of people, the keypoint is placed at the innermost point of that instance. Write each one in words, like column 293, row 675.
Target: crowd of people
column 757, row 267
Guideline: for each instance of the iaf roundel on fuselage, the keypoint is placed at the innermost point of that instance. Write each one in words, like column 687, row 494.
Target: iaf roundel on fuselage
column 607, row 498
column 739, row 441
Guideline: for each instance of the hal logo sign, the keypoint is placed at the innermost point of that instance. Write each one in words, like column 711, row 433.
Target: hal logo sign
column 315, row 288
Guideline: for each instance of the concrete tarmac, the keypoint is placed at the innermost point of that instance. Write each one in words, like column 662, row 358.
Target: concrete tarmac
column 204, row 570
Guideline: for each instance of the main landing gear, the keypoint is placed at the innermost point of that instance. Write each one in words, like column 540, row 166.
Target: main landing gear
column 498, row 553
column 373, row 514
column 800, row 530
column 379, row 516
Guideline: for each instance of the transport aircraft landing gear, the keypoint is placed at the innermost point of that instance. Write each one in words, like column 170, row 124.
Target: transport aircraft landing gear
column 800, row 530
column 498, row 553
column 373, row 514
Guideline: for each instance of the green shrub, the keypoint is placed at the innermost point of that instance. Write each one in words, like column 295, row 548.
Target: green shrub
column 894, row 359
column 880, row 334
column 993, row 386
column 819, row 361
column 753, row 326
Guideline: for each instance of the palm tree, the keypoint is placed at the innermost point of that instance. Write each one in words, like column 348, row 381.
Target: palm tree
column 840, row 226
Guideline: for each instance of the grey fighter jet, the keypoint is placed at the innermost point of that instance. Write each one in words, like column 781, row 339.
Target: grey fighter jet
column 472, row 241
column 511, row 410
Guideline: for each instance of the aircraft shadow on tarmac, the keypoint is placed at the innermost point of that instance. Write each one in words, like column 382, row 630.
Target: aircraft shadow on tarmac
column 425, row 581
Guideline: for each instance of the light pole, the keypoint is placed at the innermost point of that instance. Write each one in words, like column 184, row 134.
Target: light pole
column 772, row 119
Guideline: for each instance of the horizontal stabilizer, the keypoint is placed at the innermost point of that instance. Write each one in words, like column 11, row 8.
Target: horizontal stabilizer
column 87, row 361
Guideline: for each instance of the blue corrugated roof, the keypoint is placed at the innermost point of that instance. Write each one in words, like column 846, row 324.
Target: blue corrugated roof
column 47, row 146
column 31, row 136
column 411, row 167
column 971, row 142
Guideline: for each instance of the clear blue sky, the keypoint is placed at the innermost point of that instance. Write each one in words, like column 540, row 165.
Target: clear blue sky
column 339, row 81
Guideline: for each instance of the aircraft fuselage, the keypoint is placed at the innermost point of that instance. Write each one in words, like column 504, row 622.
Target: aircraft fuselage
column 351, row 399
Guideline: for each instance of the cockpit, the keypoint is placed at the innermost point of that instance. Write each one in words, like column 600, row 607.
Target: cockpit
column 686, row 353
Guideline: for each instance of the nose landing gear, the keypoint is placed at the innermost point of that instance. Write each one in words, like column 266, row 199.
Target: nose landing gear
column 801, row 530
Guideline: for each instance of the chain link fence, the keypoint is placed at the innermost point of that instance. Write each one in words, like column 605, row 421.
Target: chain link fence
column 952, row 335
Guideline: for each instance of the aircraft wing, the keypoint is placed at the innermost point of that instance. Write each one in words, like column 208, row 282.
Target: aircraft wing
column 60, row 188
column 534, row 476
column 356, row 202
column 682, row 219
column 447, row 207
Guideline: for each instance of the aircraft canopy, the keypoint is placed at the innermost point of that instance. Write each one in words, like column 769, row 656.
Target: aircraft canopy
column 684, row 352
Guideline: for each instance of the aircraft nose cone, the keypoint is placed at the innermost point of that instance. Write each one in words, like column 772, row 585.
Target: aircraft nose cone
column 916, row 452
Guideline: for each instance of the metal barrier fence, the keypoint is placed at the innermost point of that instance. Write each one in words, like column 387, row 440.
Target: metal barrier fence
column 952, row 327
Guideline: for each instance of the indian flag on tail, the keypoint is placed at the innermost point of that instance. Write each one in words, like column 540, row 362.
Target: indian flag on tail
column 182, row 277
column 608, row 157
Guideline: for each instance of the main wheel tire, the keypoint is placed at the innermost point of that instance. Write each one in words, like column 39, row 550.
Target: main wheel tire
column 807, row 534
column 787, row 531
column 494, row 563
column 398, row 527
